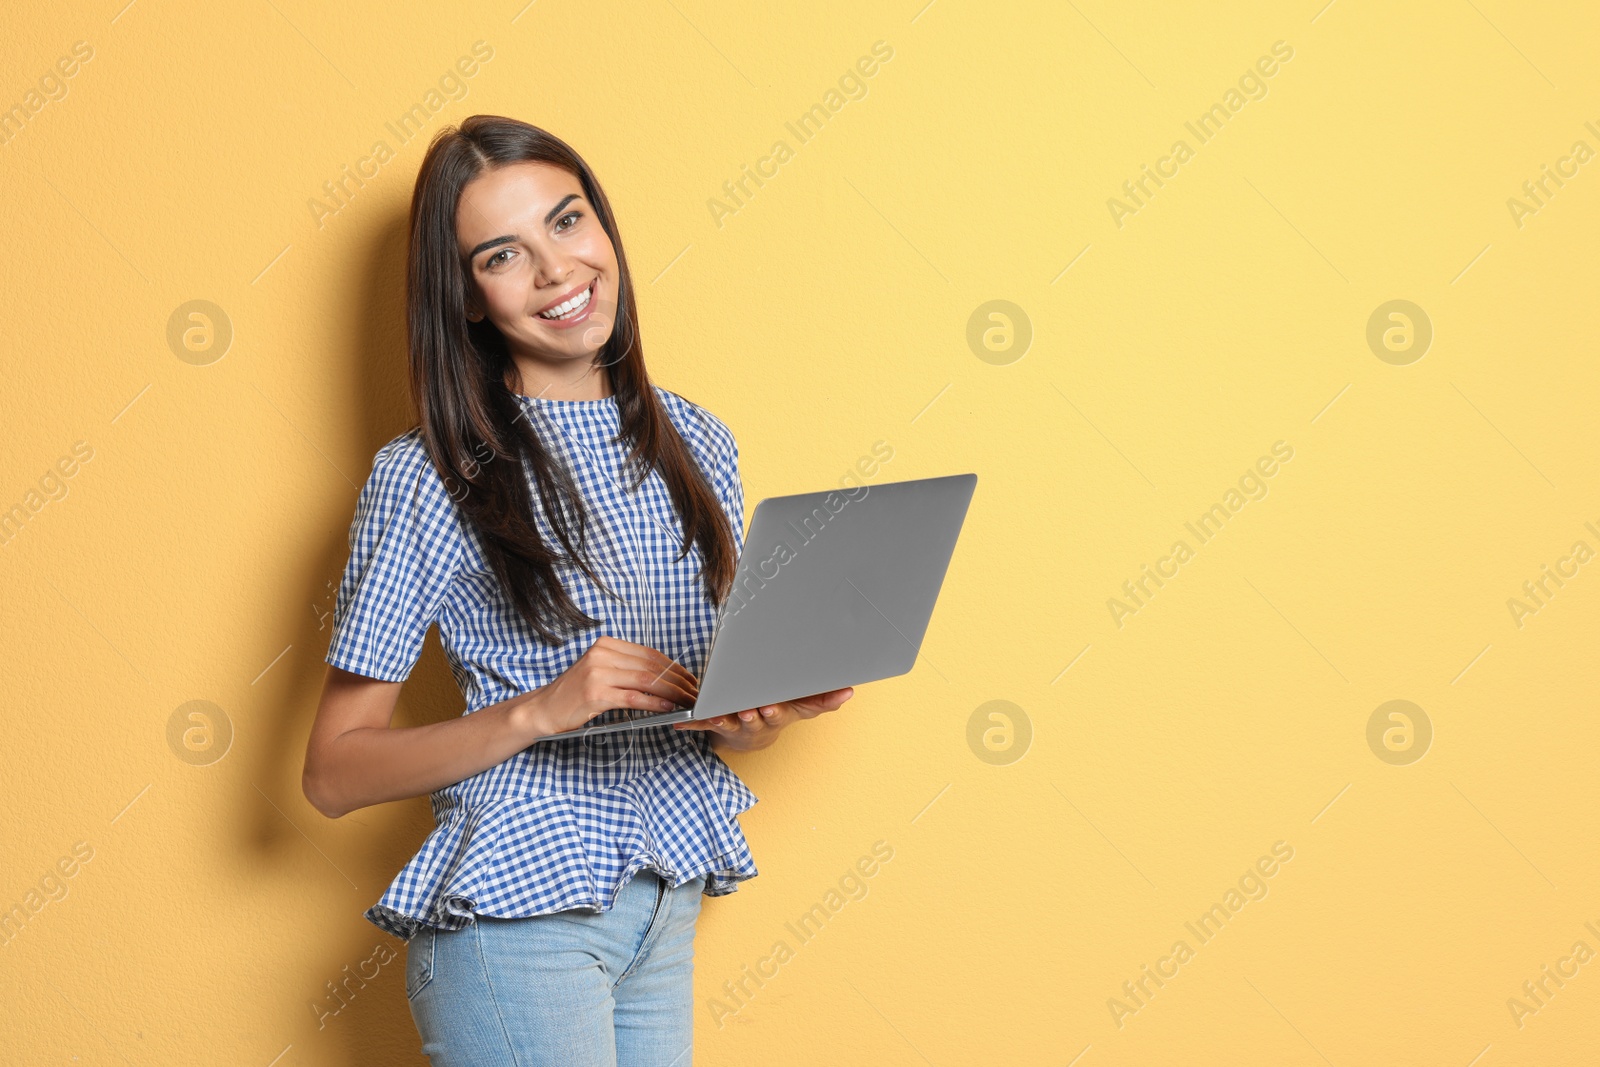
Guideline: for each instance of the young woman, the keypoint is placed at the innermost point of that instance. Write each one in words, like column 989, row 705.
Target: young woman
column 571, row 528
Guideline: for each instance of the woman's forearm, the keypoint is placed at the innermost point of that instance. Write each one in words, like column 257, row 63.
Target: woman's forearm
column 371, row 765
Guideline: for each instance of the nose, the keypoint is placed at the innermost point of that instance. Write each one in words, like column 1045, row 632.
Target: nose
column 554, row 268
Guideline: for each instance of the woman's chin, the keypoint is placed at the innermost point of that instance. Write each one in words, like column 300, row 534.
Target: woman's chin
column 579, row 350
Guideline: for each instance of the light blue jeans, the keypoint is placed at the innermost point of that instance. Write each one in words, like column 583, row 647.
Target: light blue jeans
column 570, row 989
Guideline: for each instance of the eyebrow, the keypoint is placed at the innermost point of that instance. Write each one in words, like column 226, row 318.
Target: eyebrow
column 508, row 238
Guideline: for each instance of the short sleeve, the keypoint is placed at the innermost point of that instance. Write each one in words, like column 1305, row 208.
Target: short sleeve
column 724, row 448
column 405, row 547
column 717, row 452
column 731, row 491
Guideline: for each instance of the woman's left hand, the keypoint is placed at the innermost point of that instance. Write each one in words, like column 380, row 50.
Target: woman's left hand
column 757, row 728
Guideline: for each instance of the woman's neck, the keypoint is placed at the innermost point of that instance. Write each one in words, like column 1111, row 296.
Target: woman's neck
column 530, row 379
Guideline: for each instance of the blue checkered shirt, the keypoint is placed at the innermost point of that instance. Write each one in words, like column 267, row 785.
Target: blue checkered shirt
column 562, row 824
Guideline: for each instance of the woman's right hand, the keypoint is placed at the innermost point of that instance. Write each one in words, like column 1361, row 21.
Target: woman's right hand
column 611, row 673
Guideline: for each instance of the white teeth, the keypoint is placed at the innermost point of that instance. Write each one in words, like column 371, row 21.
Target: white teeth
column 570, row 308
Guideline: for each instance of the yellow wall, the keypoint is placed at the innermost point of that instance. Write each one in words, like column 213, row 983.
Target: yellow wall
column 1175, row 341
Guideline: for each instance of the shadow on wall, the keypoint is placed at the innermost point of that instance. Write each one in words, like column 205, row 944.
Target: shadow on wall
column 351, row 981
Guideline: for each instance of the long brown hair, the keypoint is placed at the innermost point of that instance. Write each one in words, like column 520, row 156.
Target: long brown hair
column 471, row 421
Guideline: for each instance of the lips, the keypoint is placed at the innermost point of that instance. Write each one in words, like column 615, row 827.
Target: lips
column 578, row 304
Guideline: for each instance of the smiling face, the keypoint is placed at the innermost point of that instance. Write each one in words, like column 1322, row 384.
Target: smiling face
column 542, row 269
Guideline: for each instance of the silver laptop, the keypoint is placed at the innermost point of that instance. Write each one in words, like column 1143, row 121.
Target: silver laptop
column 833, row 589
